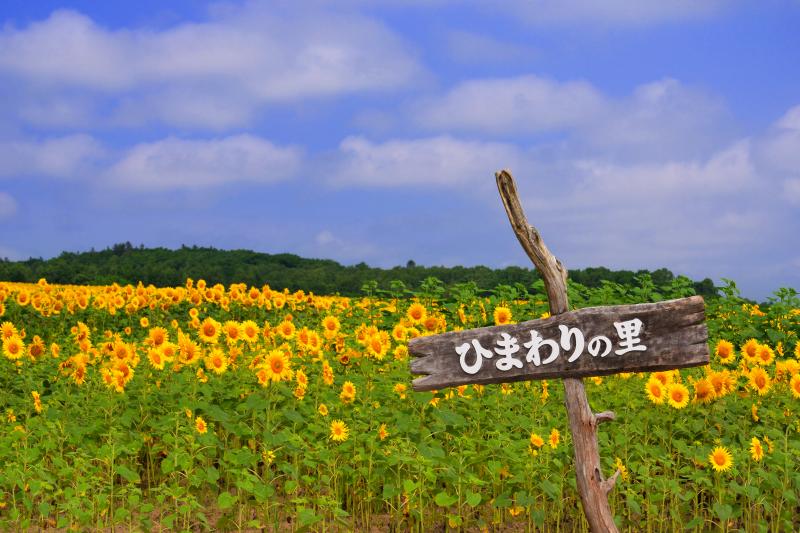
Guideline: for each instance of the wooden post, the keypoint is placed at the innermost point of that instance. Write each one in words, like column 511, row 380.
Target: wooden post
column 592, row 486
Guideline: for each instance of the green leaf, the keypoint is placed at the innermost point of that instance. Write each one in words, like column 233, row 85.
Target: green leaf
column 551, row 489
column 225, row 500
column 129, row 475
column 307, row 517
column 473, row 499
column 445, row 500
column 724, row 511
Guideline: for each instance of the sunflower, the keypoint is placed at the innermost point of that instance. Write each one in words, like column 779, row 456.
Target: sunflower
column 400, row 389
column 756, row 450
column 233, row 331
column 13, row 347
column 250, row 331
column 677, row 395
column 327, row 373
column 168, row 351
column 759, row 380
column 382, row 432
column 7, row 330
column 286, row 329
column 200, row 425
column 794, row 384
column 399, row 333
column 348, row 393
column 724, row 351
column 331, row 325
column 703, row 391
column 209, row 330
column 156, row 358
column 655, row 390
column 765, row 355
column 401, row 353
column 339, row 431
column 322, row 409
column 417, row 313
column 536, row 440
column 554, row 439
column 37, row 401
column 664, row 377
column 377, row 347
column 502, row 315
column 217, row 361
column 157, row 336
column 278, row 366
column 189, row 351
column 797, row 349
column 302, row 379
column 299, row 392
column 750, row 351
column 720, row 459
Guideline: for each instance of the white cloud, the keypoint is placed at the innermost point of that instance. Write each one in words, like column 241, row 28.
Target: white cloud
column 662, row 119
column 780, row 149
column 522, row 104
column 238, row 61
column 8, row 207
column 791, row 189
column 476, row 48
column 617, row 13
column 330, row 245
column 434, row 161
column 72, row 156
column 728, row 171
column 174, row 163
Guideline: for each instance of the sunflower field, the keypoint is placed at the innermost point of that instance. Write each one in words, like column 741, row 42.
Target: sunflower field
column 250, row 408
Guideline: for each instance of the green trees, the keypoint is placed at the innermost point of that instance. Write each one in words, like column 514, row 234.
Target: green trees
column 125, row 263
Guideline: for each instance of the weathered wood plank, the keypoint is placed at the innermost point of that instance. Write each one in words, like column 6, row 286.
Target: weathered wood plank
column 672, row 332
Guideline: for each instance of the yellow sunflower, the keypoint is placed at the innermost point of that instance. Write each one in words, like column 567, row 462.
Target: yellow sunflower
column 13, row 347
column 250, row 331
column 278, row 366
column 750, row 351
column 765, row 355
column 677, row 395
column 157, row 336
column 794, row 384
column 720, row 459
column 703, row 391
column 348, row 393
column 417, row 313
column 209, row 330
column 725, row 352
column 217, row 361
column 339, row 431
column 502, row 315
column 655, row 390
column 756, row 449
column 554, row 439
column 759, row 380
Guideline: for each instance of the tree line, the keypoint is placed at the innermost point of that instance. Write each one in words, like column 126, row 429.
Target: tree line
column 124, row 263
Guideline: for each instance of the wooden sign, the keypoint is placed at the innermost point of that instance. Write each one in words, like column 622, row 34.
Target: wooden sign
column 594, row 341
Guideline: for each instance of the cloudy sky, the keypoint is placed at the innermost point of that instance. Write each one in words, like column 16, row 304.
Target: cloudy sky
column 642, row 134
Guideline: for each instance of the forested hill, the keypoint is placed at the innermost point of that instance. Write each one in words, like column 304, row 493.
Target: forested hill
column 124, row 263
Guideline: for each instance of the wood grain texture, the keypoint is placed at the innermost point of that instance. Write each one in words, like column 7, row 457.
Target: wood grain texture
column 592, row 487
column 673, row 332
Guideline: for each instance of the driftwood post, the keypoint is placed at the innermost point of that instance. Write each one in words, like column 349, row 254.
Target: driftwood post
column 592, row 486
column 570, row 345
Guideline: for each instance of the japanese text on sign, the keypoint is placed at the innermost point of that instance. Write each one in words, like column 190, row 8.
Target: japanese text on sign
column 543, row 351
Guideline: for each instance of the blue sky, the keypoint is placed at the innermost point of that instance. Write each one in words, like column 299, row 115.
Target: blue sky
column 642, row 134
